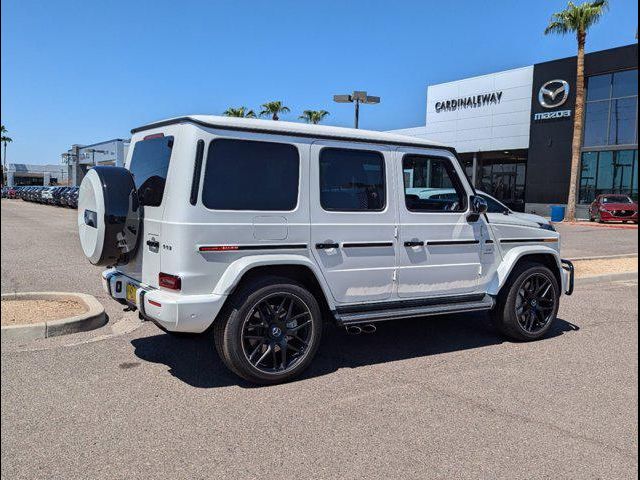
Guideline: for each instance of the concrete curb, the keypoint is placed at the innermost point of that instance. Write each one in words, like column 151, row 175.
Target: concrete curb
column 93, row 318
column 614, row 277
column 605, row 257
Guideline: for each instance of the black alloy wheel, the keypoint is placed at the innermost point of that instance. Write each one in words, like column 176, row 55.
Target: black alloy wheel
column 269, row 330
column 536, row 303
column 276, row 333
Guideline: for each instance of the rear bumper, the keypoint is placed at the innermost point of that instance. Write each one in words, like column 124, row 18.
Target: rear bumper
column 568, row 276
column 173, row 311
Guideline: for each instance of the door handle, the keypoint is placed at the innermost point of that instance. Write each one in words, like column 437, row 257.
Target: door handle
column 153, row 244
column 326, row 246
column 414, row 243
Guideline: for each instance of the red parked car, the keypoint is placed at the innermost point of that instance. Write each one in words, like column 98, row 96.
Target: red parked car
column 613, row 208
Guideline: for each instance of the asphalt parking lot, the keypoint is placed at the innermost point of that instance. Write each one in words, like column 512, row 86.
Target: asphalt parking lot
column 425, row 398
column 586, row 239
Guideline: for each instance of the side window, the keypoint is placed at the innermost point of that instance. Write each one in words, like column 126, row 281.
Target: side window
column 351, row 180
column 149, row 165
column 431, row 184
column 251, row 175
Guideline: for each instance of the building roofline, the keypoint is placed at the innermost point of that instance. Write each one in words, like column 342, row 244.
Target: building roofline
column 606, row 50
column 103, row 142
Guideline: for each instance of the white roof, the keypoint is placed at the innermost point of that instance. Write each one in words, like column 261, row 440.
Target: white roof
column 293, row 128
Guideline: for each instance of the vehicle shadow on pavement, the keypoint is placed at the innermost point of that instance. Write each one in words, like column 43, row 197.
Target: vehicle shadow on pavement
column 194, row 360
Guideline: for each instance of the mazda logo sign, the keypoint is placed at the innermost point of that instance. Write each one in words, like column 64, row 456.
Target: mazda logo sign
column 553, row 93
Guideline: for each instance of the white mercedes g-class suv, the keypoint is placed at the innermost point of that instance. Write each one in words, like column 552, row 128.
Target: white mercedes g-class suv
column 262, row 230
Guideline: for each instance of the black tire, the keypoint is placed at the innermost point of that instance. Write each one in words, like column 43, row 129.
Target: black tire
column 505, row 316
column 241, row 309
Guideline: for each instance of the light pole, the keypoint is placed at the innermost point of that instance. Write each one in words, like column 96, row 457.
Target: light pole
column 357, row 98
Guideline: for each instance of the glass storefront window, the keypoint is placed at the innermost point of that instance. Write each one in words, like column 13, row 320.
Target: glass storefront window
column 501, row 174
column 595, row 123
column 625, row 84
column 622, row 122
column 599, row 87
column 605, row 172
column 588, row 175
column 611, row 109
column 608, row 172
column 634, row 177
column 623, row 171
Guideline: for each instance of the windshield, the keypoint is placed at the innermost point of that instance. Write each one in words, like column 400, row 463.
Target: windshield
column 493, row 206
column 616, row 199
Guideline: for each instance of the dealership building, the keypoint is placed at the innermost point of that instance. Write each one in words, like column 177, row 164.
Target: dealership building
column 80, row 158
column 513, row 129
column 75, row 163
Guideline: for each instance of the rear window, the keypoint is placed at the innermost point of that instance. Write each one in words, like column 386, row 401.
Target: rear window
column 250, row 175
column 149, row 165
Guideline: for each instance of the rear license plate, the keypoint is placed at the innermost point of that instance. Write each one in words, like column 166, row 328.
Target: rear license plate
column 132, row 291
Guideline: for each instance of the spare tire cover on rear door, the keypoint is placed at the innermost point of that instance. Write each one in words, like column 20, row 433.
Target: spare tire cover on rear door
column 108, row 216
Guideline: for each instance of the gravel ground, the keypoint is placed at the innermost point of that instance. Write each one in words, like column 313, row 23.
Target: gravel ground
column 589, row 268
column 425, row 398
column 20, row 312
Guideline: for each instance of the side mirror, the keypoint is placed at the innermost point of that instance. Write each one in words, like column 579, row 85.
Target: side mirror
column 478, row 207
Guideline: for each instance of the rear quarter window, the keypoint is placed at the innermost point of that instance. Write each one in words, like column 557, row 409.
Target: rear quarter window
column 149, row 166
column 251, row 175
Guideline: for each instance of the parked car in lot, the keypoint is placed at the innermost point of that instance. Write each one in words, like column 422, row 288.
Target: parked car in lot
column 70, row 198
column 261, row 230
column 29, row 194
column 9, row 192
column 57, row 195
column 18, row 190
column 613, row 208
column 46, row 195
column 26, row 193
column 497, row 212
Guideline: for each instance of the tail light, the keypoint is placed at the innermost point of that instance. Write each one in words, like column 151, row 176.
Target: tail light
column 171, row 282
column 153, row 135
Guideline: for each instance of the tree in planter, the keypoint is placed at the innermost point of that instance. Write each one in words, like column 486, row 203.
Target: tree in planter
column 274, row 109
column 240, row 112
column 4, row 139
column 577, row 19
column 313, row 116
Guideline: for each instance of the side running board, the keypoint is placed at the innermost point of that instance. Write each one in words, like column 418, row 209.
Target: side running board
column 369, row 313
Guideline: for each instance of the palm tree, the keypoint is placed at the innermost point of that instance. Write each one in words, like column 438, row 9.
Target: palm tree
column 313, row 116
column 4, row 139
column 241, row 112
column 273, row 109
column 577, row 19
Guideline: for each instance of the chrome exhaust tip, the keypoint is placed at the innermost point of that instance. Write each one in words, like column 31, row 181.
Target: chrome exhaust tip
column 368, row 328
column 354, row 330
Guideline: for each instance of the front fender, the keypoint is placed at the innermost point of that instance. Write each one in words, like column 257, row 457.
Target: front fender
column 237, row 269
column 512, row 257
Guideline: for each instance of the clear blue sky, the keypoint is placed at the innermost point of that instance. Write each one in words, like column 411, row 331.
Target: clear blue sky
column 85, row 71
